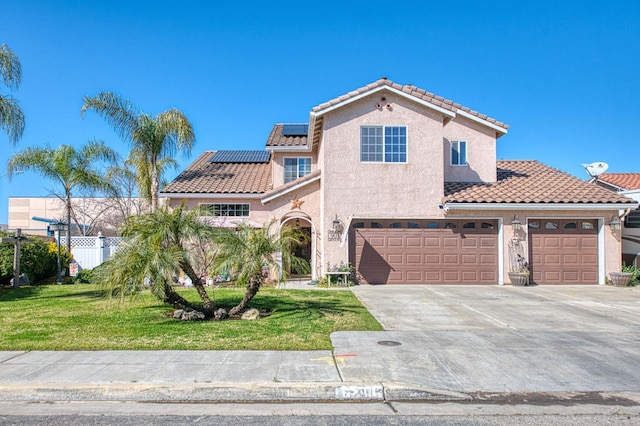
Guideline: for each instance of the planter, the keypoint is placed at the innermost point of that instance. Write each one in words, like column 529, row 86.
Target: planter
column 519, row 279
column 620, row 279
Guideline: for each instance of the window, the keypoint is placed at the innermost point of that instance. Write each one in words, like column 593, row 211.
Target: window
column 226, row 210
column 469, row 225
column 487, row 225
column 386, row 144
column 632, row 220
column 458, row 153
column 413, row 225
column 395, row 225
column 358, row 225
column 571, row 225
column 432, row 225
column 376, row 225
column 295, row 168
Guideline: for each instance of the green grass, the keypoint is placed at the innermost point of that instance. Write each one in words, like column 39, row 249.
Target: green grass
column 78, row 317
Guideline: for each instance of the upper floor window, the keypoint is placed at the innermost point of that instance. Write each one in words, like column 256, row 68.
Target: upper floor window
column 295, row 168
column 383, row 144
column 226, row 210
column 458, row 153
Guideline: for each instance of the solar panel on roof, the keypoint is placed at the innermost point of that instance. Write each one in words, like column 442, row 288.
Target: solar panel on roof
column 241, row 157
column 295, row 129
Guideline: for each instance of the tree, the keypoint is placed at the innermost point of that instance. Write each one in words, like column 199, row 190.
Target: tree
column 156, row 250
column 11, row 116
column 70, row 168
column 247, row 252
column 152, row 139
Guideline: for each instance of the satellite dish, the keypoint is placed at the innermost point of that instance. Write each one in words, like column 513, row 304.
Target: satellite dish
column 596, row 169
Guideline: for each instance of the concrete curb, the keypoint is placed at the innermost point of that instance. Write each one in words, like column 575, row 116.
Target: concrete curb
column 215, row 392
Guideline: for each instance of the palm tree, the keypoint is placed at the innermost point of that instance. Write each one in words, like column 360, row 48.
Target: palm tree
column 152, row 138
column 247, row 251
column 157, row 249
column 70, row 168
column 11, row 116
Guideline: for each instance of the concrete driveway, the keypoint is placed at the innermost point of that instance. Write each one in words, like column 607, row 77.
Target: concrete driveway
column 498, row 339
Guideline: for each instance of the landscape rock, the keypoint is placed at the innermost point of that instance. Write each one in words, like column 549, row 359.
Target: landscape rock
column 188, row 315
column 221, row 314
column 251, row 314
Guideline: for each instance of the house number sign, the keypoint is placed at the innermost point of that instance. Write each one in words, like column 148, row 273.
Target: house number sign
column 334, row 235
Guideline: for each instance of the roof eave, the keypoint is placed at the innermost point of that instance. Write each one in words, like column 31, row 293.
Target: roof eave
column 379, row 89
column 539, row 206
column 501, row 131
column 279, row 194
column 191, row 195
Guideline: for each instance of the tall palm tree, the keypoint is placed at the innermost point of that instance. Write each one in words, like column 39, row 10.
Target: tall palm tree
column 152, row 138
column 11, row 116
column 157, row 249
column 67, row 166
column 247, row 251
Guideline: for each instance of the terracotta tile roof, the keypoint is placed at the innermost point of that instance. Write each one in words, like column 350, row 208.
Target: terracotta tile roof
column 276, row 138
column 415, row 92
column 203, row 176
column 531, row 182
column 625, row 181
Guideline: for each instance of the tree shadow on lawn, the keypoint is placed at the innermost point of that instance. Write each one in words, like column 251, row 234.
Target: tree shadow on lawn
column 36, row 291
column 286, row 305
column 8, row 294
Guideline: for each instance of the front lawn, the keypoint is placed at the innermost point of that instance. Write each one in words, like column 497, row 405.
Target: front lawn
column 77, row 317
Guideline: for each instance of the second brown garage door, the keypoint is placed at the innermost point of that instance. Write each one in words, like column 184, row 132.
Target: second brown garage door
column 425, row 252
column 563, row 251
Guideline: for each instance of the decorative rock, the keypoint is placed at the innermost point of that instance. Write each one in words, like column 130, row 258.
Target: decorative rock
column 221, row 314
column 251, row 314
column 188, row 314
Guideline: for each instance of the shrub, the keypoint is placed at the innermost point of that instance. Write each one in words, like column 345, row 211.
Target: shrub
column 635, row 277
column 38, row 259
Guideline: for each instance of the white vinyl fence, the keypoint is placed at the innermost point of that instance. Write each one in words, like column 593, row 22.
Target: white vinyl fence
column 89, row 252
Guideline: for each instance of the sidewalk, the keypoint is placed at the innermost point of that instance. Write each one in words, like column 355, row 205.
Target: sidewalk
column 460, row 344
column 221, row 376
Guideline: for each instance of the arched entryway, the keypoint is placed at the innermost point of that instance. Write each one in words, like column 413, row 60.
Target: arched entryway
column 305, row 251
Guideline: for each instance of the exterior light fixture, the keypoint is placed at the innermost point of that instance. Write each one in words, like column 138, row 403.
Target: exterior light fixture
column 297, row 221
column 337, row 225
column 515, row 223
column 615, row 223
column 58, row 227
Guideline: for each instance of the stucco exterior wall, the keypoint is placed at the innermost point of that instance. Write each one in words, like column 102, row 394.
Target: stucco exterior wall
column 278, row 164
column 481, row 151
column 352, row 188
column 258, row 213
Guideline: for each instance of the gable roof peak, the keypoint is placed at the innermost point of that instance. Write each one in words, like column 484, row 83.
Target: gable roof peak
column 445, row 106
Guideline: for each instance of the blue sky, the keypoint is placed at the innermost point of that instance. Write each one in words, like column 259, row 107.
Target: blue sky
column 564, row 75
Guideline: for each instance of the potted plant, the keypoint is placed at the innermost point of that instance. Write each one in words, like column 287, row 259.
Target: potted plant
column 519, row 275
column 624, row 277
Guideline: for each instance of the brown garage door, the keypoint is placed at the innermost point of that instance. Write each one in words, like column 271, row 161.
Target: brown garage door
column 564, row 251
column 425, row 251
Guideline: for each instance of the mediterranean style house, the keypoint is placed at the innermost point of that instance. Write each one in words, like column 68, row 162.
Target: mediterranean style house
column 404, row 185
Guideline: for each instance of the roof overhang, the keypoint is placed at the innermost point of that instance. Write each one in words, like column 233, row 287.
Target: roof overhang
column 381, row 89
column 289, row 189
column 538, row 206
column 192, row 195
column 501, row 130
